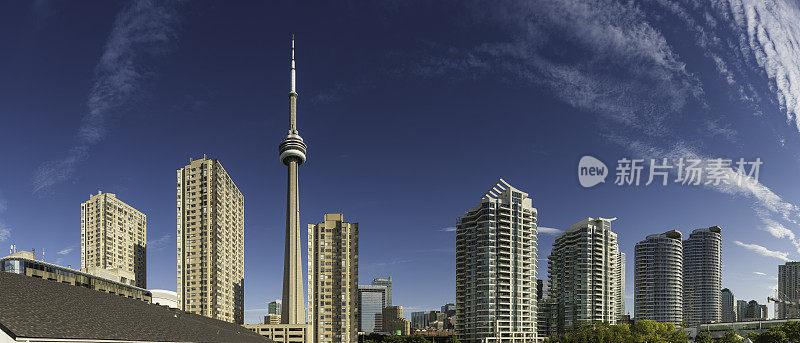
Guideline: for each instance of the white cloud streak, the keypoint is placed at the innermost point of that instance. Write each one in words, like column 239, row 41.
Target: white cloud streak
column 67, row 250
column 549, row 230
column 763, row 251
column 141, row 29
column 448, row 229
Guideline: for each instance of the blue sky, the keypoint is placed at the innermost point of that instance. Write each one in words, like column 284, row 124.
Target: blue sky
column 411, row 110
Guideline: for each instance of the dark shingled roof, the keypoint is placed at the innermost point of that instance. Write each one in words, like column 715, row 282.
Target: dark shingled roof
column 36, row 308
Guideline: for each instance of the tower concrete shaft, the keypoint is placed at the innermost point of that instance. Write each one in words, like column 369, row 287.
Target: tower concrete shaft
column 292, row 154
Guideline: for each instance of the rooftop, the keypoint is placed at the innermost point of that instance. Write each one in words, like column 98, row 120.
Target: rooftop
column 36, row 308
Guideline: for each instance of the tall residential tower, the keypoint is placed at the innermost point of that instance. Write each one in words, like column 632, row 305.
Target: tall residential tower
column 113, row 238
column 702, row 276
column 496, row 249
column 788, row 290
column 210, row 242
column 332, row 280
column 584, row 274
column 658, row 280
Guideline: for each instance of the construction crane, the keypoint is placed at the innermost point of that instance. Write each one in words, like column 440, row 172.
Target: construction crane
column 792, row 305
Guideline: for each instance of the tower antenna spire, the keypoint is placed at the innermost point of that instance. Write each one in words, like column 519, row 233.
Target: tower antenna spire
column 292, row 154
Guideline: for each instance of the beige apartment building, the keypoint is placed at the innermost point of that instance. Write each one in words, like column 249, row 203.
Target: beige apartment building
column 210, row 214
column 114, row 237
column 333, row 280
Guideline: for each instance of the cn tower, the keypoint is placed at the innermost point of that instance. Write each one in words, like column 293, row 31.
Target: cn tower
column 292, row 154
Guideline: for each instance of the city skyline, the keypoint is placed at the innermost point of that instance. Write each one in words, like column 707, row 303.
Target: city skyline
column 218, row 72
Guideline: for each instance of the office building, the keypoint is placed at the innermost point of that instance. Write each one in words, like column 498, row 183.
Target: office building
column 36, row 310
column 788, row 286
column 741, row 310
column 114, row 236
column 210, row 242
column 753, row 311
column 371, row 301
column 25, row 263
column 386, row 282
column 496, row 250
column 547, row 317
column 449, row 309
column 274, row 307
column 658, row 278
column 332, row 280
column 728, row 306
column 583, row 274
column 419, row 320
column 702, row 276
column 272, row 319
column 393, row 321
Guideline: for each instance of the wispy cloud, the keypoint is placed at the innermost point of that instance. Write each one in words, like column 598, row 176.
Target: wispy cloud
column 760, row 273
column 763, row 251
column 141, row 29
column 448, row 229
column 549, row 230
column 391, row 263
column 161, row 243
column 5, row 230
column 67, row 250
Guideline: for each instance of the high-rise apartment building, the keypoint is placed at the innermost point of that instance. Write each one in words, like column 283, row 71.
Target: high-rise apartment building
column 788, row 290
column 728, row 306
column 386, row 282
column 210, row 242
column 620, row 284
column 371, row 301
column 702, row 276
column 583, row 274
column 274, row 307
column 658, row 278
column 114, row 237
column 496, row 250
column 332, row 280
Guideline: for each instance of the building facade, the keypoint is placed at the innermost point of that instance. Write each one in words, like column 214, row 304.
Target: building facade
column 788, row 290
column 702, row 276
column 114, row 236
column 728, row 306
column 393, row 321
column 419, row 320
column 210, row 242
column 658, row 278
column 496, row 251
column 386, row 282
column 274, row 307
column 333, row 280
column 583, row 274
column 620, row 283
column 371, row 301
column 25, row 263
column 165, row 297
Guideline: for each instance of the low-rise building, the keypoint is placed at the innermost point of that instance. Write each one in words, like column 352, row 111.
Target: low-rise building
column 24, row 263
column 281, row 333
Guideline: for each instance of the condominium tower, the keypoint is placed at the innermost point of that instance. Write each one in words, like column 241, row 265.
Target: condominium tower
column 386, row 282
column 584, row 277
column 728, row 306
column 332, row 280
column 658, row 279
column 702, row 276
column 496, row 249
column 210, row 242
column 788, row 290
column 621, row 284
column 114, row 237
